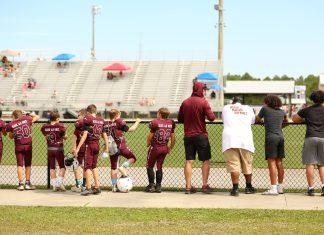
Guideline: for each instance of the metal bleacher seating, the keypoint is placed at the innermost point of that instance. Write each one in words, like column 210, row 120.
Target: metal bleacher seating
column 82, row 83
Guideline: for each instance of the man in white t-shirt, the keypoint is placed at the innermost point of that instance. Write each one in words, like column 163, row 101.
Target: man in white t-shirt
column 238, row 144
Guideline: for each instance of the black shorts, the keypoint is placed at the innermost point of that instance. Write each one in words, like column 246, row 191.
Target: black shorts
column 197, row 144
column 274, row 147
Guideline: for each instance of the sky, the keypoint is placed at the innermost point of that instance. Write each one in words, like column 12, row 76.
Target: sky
column 264, row 38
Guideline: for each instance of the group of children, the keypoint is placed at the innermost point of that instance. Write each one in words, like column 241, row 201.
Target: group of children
column 89, row 129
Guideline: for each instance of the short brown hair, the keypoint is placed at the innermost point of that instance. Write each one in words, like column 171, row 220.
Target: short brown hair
column 273, row 101
column 54, row 115
column 113, row 113
column 92, row 109
column 17, row 114
column 82, row 112
column 164, row 112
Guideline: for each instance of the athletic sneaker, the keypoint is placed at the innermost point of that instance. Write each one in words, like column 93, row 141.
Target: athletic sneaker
column 96, row 191
column 122, row 171
column 322, row 194
column 83, row 188
column 20, row 187
column 87, row 192
column 76, row 189
column 158, row 189
column 114, row 189
column 150, row 188
column 191, row 190
column 250, row 190
column 280, row 189
column 271, row 192
column 62, row 188
column 29, row 187
column 206, row 189
column 234, row 192
column 310, row 192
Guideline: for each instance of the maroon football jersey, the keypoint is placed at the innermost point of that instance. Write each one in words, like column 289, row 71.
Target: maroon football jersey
column 116, row 129
column 2, row 127
column 54, row 133
column 78, row 132
column 21, row 128
column 94, row 126
column 162, row 129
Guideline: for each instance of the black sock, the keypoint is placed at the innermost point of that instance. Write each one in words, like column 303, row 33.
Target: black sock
column 150, row 175
column 235, row 186
column 84, row 182
column 248, row 185
column 159, row 176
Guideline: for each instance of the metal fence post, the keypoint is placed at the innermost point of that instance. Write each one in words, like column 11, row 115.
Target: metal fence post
column 48, row 175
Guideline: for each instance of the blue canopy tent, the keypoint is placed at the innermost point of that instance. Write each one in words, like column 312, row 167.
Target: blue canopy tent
column 216, row 87
column 63, row 56
column 207, row 77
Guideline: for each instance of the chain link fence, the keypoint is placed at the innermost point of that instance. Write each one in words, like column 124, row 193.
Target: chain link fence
column 173, row 166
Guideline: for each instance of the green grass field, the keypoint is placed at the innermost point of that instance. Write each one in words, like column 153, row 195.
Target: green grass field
column 294, row 136
column 31, row 220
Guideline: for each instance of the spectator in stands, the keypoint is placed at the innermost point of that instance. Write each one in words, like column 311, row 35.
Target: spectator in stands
column 274, row 119
column 54, row 95
column 238, row 145
column 59, row 65
column 110, row 76
column 192, row 114
column 313, row 151
column 213, row 95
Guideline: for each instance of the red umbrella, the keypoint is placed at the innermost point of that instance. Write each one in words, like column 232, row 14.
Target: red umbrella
column 116, row 67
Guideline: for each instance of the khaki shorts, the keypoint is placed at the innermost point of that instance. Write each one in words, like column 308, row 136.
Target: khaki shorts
column 238, row 160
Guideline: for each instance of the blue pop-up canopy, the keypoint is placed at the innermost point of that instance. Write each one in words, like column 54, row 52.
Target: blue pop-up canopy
column 63, row 56
column 216, row 87
column 207, row 76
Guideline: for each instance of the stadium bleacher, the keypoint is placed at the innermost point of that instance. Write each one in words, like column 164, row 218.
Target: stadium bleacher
column 84, row 82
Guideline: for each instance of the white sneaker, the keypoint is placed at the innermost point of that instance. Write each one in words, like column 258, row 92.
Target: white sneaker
column 30, row 187
column 280, row 189
column 76, row 189
column 122, row 171
column 20, row 187
column 114, row 189
column 271, row 192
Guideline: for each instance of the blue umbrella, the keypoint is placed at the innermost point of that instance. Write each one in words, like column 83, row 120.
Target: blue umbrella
column 63, row 57
column 216, row 87
column 207, row 76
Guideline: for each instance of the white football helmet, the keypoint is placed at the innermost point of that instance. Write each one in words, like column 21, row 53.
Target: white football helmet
column 125, row 184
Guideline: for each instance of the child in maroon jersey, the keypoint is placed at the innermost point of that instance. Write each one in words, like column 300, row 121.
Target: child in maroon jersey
column 55, row 134
column 77, row 134
column 93, row 128
column 115, row 128
column 161, row 130
column 2, row 132
column 19, row 129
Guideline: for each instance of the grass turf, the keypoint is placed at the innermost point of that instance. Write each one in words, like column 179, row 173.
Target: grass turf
column 50, row 220
column 294, row 138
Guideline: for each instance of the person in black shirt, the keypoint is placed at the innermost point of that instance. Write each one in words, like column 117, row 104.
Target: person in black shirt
column 313, row 151
column 273, row 117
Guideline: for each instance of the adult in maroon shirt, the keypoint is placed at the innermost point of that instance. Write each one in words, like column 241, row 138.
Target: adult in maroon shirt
column 115, row 129
column 77, row 134
column 161, row 131
column 93, row 127
column 55, row 136
column 20, row 130
column 193, row 113
column 2, row 132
